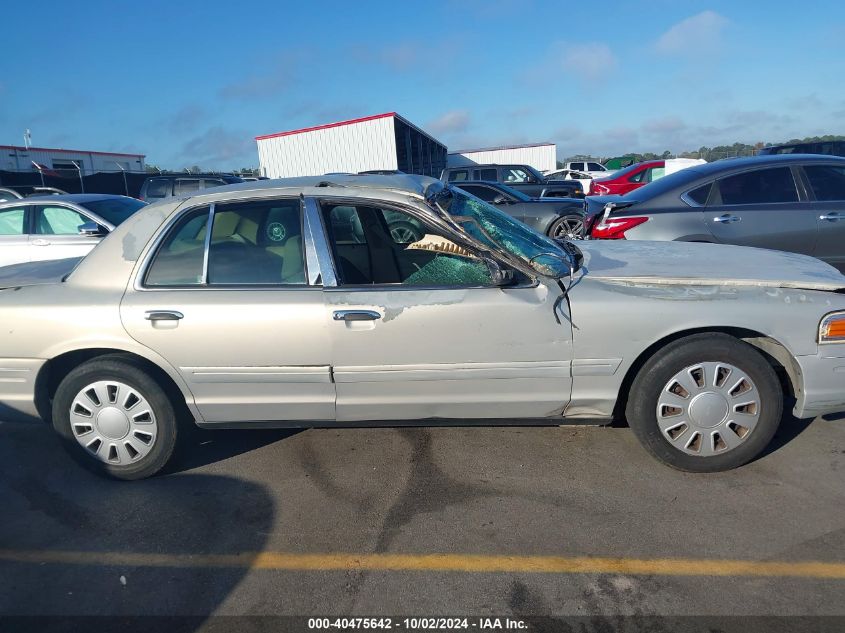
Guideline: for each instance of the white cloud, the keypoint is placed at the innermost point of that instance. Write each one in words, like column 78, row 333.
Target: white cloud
column 451, row 122
column 701, row 33
column 590, row 60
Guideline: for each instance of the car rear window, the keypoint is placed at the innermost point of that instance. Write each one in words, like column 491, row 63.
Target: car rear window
column 158, row 188
column 760, row 186
column 114, row 210
column 457, row 175
column 828, row 181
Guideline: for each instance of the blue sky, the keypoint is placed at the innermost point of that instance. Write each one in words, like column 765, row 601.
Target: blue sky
column 193, row 84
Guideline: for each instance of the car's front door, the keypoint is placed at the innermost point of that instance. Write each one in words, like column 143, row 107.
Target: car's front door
column 233, row 311
column 419, row 330
column 761, row 208
column 14, row 241
column 56, row 233
column 827, row 184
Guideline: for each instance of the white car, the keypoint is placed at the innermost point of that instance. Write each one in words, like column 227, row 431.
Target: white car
column 591, row 168
column 58, row 227
column 568, row 174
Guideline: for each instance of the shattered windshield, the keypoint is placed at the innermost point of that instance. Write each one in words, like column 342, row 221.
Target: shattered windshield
column 489, row 226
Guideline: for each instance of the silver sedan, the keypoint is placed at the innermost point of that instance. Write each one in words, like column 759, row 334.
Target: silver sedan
column 46, row 227
column 290, row 304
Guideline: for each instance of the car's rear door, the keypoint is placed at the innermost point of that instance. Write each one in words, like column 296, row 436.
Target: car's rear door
column 56, row 233
column 418, row 330
column 827, row 207
column 764, row 208
column 235, row 312
column 14, row 238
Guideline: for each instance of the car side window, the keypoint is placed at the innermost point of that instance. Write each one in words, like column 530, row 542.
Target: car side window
column 58, row 221
column 488, row 194
column 12, row 221
column 513, row 174
column 179, row 258
column 487, row 174
column 394, row 248
column 699, row 195
column 255, row 243
column 638, row 177
column 828, row 181
column 458, row 175
column 577, row 166
column 594, row 167
column 184, row 186
column 208, row 183
column 760, row 186
column 158, row 188
column 654, row 173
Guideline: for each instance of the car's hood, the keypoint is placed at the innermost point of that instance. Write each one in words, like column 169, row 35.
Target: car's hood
column 688, row 263
column 34, row 273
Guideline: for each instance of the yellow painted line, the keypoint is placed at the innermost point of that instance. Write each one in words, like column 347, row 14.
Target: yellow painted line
column 467, row 563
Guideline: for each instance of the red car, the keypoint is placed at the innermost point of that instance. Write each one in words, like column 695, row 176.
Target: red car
column 628, row 179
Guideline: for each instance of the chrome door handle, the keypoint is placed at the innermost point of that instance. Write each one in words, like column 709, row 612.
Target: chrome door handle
column 41, row 242
column 356, row 315
column 727, row 218
column 163, row 315
column 832, row 217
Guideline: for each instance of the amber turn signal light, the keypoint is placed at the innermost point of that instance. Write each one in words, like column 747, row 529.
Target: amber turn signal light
column 832, row 328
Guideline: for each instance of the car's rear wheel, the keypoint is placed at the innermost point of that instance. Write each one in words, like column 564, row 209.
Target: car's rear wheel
column 705, row 403
column 115, row 419
column 567, row 227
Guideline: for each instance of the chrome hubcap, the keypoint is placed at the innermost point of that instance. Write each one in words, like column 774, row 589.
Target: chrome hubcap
column 708, row 409
column 572, row 228
column 113, row 422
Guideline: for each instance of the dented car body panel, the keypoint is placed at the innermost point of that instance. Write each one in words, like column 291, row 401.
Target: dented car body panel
column 547, row 347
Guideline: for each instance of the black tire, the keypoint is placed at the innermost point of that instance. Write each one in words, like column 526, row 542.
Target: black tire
column 564, row 220
column 641, row 410
column 129, row 371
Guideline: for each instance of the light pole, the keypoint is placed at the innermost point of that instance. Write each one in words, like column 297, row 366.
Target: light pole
column 79, row 171
column 123, row 171
column 40, row 173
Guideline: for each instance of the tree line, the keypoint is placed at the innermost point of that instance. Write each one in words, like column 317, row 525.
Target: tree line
column 710, row 153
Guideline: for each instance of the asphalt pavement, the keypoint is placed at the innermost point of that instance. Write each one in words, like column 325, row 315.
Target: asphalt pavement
column 504, row 521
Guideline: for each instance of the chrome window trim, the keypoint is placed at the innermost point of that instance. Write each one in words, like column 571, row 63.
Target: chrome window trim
column 692, row 203
column 317, row 239
column 209, row 228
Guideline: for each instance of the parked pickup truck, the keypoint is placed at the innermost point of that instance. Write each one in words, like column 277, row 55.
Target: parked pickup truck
column 523, row 178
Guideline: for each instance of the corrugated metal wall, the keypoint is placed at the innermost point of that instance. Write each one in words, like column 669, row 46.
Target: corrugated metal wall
column 345, row 148
column 542, row 157
column 91, row 162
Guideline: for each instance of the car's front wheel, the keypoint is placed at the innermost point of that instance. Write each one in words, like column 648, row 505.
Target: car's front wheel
column 705, row 403
column 115, row 418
